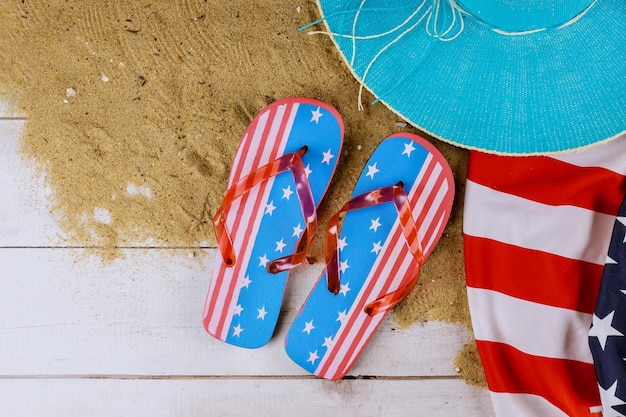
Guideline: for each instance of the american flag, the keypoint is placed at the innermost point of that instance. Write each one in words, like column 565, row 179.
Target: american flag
column 606, row 336
column 536, row 235
column 331, row 330
column 243, row 301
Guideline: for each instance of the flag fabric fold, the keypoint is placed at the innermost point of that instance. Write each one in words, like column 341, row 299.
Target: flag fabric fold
column 607, row 338
column 536, row 235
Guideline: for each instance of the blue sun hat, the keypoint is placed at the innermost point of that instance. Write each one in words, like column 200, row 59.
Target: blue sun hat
column 501, row 76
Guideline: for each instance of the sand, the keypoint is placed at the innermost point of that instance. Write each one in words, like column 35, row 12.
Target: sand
column 134, row 111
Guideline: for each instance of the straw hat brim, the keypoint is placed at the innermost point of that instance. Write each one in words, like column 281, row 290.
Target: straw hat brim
column 551, row 91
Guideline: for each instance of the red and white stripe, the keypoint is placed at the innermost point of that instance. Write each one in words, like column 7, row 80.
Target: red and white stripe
column 264, row 141
column 430, row 196
column 536, row 236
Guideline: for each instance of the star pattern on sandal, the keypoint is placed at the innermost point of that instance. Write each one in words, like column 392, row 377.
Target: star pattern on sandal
column 245, row 282
column 372, row 170
column 297, row 231
column 377, row 247
column 287, row 192
column 261, row 313
column 269, row 208
column 238, row 309
column 342, row 316
column 316, row 115
column 308, row 326
column 334, row 314
column 327, row 157
column 375, row 224
column 280, row 218
column 280, row 245
column 344, row 289
column 313, row 356
column 408, row 149
column 328, row 342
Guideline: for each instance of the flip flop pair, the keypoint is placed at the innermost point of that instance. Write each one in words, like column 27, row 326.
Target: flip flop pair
column 264, row 227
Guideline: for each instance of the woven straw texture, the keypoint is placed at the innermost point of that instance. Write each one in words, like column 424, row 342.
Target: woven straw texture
column 513, row 77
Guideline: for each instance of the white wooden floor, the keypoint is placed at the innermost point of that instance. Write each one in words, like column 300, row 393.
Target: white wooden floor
column 83, row 338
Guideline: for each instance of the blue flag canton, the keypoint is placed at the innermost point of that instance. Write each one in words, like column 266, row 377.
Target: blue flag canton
column 606, row 335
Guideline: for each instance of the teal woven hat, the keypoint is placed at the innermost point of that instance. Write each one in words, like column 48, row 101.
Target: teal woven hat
column 501, row 76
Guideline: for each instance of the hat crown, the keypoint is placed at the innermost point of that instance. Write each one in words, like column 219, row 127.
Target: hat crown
column 525, row 15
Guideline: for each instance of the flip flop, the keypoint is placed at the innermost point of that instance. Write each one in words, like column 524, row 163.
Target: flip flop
column 375, row 262
column 282, row 168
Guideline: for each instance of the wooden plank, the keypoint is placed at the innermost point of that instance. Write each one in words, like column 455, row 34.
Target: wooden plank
column 9, row 112
column 5, row 111
column 241, row 397
column 24, row 207
column 66, row 313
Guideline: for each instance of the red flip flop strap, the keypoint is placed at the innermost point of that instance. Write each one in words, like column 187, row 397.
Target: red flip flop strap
column 288, row 162
column 396, row 195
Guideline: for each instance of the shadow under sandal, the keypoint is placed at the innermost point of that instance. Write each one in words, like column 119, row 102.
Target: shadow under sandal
column 282, row 169
column 399, row 210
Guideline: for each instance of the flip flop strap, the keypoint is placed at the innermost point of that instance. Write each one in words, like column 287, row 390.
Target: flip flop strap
column 396, row 195
column 288, row 162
